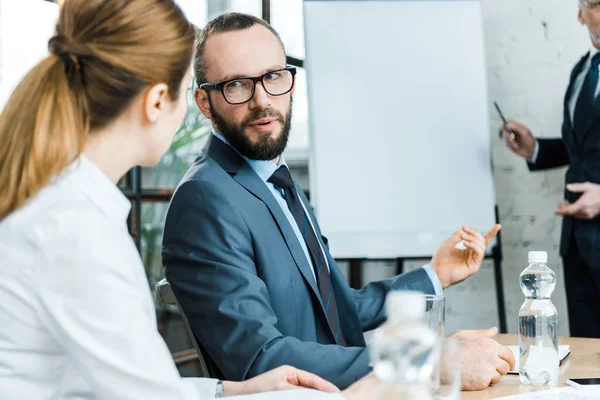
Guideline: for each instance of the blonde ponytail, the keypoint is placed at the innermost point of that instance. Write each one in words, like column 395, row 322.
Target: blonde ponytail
column 104, row 53
column 42, row 130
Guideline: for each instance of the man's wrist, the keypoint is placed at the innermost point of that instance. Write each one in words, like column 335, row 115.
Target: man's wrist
column 438, row 286
column 438, row 270
column 534, row 153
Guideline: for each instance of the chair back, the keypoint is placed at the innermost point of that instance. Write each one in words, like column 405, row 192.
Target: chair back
column 207, row 369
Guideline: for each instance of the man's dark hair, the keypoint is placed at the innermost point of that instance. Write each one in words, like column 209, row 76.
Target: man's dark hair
column 224, row 23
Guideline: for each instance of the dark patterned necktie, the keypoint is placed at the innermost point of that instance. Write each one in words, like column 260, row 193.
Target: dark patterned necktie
column 283, row 179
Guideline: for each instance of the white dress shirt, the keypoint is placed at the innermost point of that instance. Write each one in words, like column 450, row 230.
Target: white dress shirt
column 577, row 85
column 77, row 320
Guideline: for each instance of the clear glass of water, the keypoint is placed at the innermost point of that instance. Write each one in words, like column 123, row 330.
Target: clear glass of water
column 435, row 310
column 435, row 318
column 450, row 378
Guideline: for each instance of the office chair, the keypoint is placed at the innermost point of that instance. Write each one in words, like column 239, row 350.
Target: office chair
column 208, row 368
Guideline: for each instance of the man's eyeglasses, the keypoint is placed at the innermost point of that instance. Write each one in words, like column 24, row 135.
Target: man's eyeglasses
column 241, row 90
column 590, row 3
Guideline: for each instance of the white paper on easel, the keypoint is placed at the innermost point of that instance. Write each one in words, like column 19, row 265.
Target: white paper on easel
column 565, row 393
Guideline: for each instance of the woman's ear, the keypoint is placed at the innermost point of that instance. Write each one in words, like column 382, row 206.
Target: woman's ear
column 155, row 102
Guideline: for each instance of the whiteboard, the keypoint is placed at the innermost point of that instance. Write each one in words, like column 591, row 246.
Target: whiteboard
column 25, row 28
column 400, row 147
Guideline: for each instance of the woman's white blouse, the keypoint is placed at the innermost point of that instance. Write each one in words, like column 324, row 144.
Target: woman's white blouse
column 77, row 319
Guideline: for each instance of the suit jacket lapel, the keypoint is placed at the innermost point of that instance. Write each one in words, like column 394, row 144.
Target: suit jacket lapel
column 574, row 74
column 591, row 120
column 577, row 136
column 234, row 164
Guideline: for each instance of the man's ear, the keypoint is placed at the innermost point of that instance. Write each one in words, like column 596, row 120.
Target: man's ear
column 293, row 88
column 201, row 99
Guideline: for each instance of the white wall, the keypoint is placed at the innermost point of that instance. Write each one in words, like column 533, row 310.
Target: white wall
column 29, row 24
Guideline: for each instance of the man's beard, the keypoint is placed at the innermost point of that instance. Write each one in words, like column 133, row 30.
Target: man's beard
column 266, row 148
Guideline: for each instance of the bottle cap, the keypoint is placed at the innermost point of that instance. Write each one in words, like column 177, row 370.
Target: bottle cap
column 538, row 257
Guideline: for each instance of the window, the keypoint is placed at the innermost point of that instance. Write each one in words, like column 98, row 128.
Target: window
column 297, row 149
column 217, row 7
column 287, row 17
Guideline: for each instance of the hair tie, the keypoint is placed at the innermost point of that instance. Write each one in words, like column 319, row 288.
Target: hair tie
column 69, row 60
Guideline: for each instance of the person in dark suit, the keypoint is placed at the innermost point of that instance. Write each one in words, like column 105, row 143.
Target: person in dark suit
column 579, row 148
column 243, row 251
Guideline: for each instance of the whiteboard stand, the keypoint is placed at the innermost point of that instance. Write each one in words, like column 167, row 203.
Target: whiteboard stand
column 497, row 256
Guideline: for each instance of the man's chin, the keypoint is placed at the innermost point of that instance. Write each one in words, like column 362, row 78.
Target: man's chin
column 257, row 136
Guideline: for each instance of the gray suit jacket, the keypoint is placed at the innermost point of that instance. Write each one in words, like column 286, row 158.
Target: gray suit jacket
column 243, row 281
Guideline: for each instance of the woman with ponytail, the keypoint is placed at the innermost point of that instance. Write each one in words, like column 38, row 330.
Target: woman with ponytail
column 77, row 319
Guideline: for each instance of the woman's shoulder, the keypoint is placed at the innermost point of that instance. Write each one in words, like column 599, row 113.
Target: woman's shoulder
column 58, row 219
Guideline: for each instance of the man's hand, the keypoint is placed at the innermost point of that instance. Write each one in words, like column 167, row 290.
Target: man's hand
column 282, row 378
column 588, row 204
column 453, row 265
column 523, row 144
column 475, row 333
column 364, row 388
column 483, row 361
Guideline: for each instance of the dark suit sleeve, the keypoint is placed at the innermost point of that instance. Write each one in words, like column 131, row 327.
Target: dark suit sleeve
column 370, row 300
column 551, row 154
column 208, row 259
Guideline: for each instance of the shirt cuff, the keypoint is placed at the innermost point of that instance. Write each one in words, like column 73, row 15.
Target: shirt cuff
column 533, row 159
column 435, row 281
column 205, row 388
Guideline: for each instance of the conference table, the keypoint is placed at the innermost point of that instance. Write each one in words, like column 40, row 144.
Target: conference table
column 583, row 362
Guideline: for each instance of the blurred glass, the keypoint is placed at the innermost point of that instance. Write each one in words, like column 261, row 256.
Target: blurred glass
column 449, row 371
column 435, row 313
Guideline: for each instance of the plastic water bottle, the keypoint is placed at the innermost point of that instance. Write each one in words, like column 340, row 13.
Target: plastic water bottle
column 405, row 351
column 539, row 361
